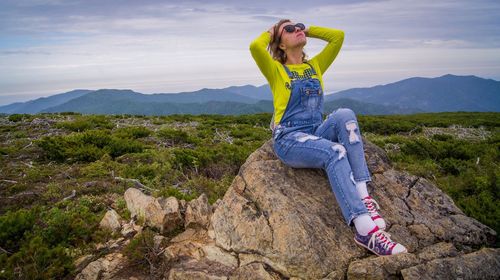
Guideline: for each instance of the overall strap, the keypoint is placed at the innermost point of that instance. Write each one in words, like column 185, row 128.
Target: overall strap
column 288, row 71
column 312, row 68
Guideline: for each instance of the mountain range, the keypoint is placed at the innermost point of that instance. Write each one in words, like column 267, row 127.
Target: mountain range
column 414, row 95
column 448, row 93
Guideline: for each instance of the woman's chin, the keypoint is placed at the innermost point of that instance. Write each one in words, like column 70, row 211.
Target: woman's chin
column 302, row 43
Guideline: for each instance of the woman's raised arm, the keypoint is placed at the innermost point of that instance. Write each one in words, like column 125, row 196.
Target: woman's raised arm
column 262, row 57
column 334, row 37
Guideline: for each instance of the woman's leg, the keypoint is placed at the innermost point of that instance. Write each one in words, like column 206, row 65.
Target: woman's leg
column 301, row 150
column 342, row 126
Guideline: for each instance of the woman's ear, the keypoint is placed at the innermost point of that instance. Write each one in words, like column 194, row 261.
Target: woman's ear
column 282, row 46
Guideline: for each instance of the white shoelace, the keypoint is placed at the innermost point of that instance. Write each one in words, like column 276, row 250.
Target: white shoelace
column 371, row 205
column 384, row 238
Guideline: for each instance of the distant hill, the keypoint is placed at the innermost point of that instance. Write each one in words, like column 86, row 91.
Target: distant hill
column 447, row 93
column 40, row 104
column 365, row 108
column 259, row 93
column 93, row 105
column 106, row 97
column 89, row 106
column 413, row 95
column 244, row 94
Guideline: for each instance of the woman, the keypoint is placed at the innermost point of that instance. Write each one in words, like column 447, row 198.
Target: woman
column 301, row 138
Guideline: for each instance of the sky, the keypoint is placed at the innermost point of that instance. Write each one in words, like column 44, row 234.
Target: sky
column 54, row 46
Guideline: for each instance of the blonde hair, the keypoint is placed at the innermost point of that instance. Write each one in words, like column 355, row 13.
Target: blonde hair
column 274, row 46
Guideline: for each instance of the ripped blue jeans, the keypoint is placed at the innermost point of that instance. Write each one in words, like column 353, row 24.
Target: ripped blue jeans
column 335, row 145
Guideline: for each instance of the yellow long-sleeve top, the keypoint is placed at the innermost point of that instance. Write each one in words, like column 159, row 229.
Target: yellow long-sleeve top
column 275, row 72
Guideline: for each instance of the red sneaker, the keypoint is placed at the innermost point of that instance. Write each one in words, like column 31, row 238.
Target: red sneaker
column 380, row 243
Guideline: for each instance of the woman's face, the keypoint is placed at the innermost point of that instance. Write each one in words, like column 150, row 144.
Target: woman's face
column 297, row 38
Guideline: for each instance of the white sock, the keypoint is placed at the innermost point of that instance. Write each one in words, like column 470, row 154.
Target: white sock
column 361, row 188
column 364, row 224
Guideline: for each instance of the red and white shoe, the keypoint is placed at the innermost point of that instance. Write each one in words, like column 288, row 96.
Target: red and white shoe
column 380, row 243
column 372, row 207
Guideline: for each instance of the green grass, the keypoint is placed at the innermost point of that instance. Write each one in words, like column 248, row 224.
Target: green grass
column 185, row 156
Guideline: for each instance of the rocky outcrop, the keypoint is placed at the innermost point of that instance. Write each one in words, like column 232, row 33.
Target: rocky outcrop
column 103, row 268
column 162, row 214
column 390, row 267
column 277, row 222
column 482, row 264
column 198, row 212
column 288, row 218
column 111, row 221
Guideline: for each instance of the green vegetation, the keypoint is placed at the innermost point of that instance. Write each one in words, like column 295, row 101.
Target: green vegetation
column 89, row 146
column 391, row 124
column 459, row 152
column 42, row 241
column 184, row 156
column 144, row 253
column 20, row 117
column 81, row 123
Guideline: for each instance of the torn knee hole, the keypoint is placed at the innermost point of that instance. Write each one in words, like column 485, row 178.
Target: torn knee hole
column 340, row 150
column 351, row 127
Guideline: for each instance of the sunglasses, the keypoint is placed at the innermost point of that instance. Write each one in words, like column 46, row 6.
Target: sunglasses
column 291, row 28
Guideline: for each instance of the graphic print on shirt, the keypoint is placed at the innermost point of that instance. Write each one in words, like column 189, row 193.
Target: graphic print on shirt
column 306, row 75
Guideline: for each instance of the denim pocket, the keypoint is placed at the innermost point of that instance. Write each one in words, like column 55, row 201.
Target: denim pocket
column 311, row 95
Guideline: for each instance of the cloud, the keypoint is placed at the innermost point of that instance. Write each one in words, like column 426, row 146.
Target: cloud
column 154, row 46
column 24, row 52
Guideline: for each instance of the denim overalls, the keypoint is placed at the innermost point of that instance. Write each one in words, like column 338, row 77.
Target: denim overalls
column 303, row 140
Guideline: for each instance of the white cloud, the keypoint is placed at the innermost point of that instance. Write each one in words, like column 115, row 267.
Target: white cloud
column 180, row 47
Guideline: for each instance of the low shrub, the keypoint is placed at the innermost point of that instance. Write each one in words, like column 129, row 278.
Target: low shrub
column 175, row 136
column 87, row 146
column 82, row 123
column 132, row 132
column 20, row 117
column 142, row 252
column 40, row 239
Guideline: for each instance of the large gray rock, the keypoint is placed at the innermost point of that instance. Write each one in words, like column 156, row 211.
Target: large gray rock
column 482, row 264
column 198, row 246
column 390, row 267
column 198, row 270
column 289, row 220
column 253, row 271
column 380, row 268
